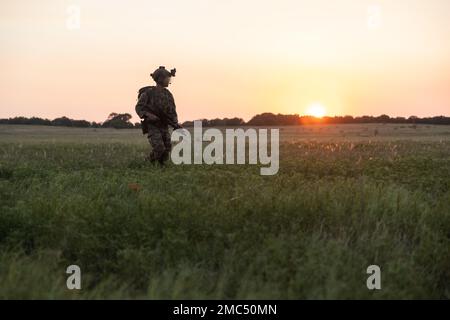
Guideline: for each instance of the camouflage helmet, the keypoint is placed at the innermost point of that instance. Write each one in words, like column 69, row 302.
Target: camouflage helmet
column 159, row 74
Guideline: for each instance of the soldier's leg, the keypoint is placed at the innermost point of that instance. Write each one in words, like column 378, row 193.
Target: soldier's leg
column 157, row 143
column 167, row 143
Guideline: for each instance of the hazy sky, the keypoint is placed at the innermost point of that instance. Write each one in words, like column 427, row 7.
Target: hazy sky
column 233, row 57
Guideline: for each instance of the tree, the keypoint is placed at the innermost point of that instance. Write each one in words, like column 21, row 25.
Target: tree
column 63, row 121
column 118, row 121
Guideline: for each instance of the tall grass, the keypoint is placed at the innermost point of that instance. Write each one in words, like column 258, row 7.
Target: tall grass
column 139, row 231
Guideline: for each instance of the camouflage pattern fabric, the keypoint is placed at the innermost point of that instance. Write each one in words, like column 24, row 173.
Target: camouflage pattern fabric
column 159, row 139
column 157, row 101
column 160, row 102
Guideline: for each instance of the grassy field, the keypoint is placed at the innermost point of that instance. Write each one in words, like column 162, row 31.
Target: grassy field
column 345, row 197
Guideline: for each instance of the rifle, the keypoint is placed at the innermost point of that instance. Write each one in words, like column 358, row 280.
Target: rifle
column 144, row 124
column 176, row 126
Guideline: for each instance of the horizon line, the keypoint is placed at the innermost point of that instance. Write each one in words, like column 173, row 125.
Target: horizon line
column 234, row 117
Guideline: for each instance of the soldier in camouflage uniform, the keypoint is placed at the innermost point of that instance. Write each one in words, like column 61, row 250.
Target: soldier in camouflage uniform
column 156, row 107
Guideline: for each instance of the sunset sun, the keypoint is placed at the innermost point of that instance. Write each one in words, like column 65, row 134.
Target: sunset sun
column 316, row 110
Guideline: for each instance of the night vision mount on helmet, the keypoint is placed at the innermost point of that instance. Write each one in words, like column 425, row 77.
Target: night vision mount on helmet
column 160, row 73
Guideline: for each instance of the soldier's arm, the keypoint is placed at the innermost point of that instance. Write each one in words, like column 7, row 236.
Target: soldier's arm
column 141, row 105
column 172, row 111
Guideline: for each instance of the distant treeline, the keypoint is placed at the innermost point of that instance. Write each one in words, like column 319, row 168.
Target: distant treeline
column 268, row 119
column 122, row 121
column 114, row 120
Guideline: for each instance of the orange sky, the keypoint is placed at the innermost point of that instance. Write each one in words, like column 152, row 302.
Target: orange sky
column 233, row 58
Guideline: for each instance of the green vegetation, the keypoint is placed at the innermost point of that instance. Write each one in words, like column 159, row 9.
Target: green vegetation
column 345, row 198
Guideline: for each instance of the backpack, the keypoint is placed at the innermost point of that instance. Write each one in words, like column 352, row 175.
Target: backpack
column 144, row 89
